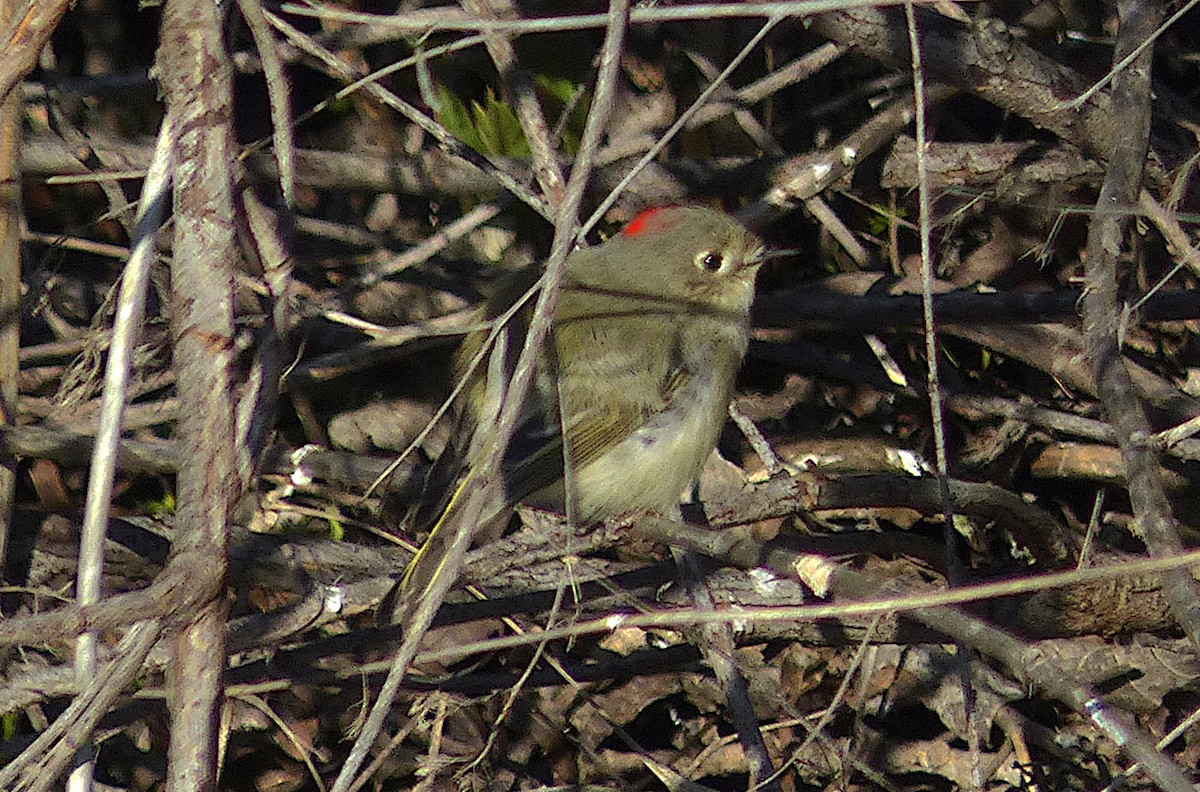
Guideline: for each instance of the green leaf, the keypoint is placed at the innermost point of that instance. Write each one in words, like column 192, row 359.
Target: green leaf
column 490, row 128
column 163, row 506
column 559, row 94
column 8, row 726
column 506, row 129
column 485, row 129
column 453, row 115
column 883, row 217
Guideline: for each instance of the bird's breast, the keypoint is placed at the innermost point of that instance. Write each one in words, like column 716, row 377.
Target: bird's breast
column 656, row 462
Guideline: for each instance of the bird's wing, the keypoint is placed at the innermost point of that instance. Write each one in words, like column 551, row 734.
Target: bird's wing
column 535, row 458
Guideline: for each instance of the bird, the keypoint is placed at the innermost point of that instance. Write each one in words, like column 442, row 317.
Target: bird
column 629, row 393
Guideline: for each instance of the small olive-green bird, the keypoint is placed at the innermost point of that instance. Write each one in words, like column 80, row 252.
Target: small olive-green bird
column 630, row 393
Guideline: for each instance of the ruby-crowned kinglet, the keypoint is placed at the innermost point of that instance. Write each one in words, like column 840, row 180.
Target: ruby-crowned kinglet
column 637, row 374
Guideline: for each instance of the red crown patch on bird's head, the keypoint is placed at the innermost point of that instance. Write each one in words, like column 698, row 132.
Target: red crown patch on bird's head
column 648, row 220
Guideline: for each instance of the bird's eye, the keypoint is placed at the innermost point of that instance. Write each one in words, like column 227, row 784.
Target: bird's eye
column 710, row 261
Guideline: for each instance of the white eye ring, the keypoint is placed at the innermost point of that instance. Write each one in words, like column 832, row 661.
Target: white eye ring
column 710, row 261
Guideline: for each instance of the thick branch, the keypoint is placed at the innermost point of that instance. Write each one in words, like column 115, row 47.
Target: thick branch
column 197, row 79
column 1102, row 315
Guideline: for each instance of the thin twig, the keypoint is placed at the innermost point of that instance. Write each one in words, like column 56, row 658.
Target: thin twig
column 131, row 306
column 278, row 96
column 25, row 35
column 681, row 122
column 439, row 133
column 38, row 767
column 933, row 382
column 525, row 102
column 487, row 497
column 430, row 19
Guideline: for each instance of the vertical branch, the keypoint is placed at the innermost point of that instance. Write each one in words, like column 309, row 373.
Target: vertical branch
column 131, row 306
column 267, row 243
column 1102, row 313
column 278, row 95
column 933, row 381
column 10, row 277
column 197, row 79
